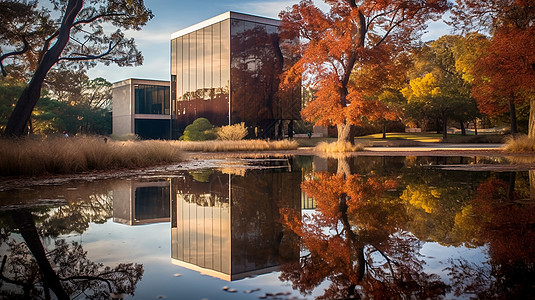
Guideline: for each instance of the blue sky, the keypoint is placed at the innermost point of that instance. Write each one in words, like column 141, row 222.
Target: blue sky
column 170, row 16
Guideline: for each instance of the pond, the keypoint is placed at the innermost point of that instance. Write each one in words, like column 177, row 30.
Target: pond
column 301, row 227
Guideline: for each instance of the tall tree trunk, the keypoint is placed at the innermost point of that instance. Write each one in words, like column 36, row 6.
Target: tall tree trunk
column 475, row 127
column 512, row 117
column 532, row 185
column 23, row 109
column 345, row 133
column 344, row 167
column 384, row 128
column 24, row 221
column 531, row 124
column 463, row 129
column 444, row 126
column 511, row 187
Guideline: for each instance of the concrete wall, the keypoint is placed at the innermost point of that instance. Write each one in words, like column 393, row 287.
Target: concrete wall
column 123, row 108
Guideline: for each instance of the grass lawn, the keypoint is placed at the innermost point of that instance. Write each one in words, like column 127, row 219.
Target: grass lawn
column 402, row 139
column 411, row 136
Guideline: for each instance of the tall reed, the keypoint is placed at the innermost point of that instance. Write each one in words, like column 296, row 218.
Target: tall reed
column 243, row 145
column 338, row 147
column 520, row 143
column 33, row 157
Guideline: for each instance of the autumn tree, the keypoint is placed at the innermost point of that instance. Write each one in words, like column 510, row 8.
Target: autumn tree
column 503, row 218
column 439, row 89
column 505, row 74
column 355, row 241
column 382, row 81
column 31, row 36
column 350, row 36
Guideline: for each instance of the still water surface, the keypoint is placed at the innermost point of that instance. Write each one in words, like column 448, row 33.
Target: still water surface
column 297, row 228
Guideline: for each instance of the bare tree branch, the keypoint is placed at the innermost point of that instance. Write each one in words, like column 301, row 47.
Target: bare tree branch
column 81, row 56
column 13, row 53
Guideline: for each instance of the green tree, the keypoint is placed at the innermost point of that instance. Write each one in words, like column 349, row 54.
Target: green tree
column 10, row 90
column 76, row 38
column 439, row 90
column 200, row 130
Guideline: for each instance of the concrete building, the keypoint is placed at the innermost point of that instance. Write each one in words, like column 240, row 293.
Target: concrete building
column 141, row 202
column 142, row 107
column 226, row 69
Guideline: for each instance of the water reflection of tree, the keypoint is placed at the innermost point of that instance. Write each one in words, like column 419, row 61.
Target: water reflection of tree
column 504, row 219
column 354, row 241
column 258, row 58
column 65, row 269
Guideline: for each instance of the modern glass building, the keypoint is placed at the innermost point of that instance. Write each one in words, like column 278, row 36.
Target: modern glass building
column 227, row 69
column 142, row 106
column 220, row 229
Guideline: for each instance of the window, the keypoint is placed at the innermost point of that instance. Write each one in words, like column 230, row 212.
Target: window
column 151, row 99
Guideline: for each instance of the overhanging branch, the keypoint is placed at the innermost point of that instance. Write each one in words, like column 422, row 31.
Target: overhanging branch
column 9, row 54
column 81, row 56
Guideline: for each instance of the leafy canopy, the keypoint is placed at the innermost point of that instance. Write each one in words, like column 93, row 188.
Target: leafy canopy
column 351, row 36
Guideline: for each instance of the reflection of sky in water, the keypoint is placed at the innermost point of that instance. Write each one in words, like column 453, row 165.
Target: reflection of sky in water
column 113, row 243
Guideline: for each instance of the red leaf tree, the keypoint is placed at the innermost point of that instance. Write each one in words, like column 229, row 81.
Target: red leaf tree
column 352, row 35
column 505, row 74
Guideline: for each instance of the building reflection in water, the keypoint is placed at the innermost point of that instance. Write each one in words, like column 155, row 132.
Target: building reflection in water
column 227, row 225
column 137, row 202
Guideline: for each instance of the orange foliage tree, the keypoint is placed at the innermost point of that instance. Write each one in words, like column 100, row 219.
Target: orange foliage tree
column 354, row 240
column 505, row 73
column 505, row 220
column 354, row 34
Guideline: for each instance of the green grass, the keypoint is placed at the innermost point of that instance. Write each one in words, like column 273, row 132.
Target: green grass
column 417, row 137
column 407, row 139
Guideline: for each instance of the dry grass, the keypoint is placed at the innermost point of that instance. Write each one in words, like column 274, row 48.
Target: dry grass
column 33, row 157
column 521, row 143
column 521, row 160
column 227, row 146
column 338, row 147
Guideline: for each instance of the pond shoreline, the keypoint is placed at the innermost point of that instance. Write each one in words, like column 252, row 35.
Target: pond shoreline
column 197, row 160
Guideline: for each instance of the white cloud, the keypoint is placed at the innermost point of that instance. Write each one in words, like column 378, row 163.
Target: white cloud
column 269, row 9
column 149, row 36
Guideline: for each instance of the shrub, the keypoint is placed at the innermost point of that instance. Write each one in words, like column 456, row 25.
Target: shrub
column 234, row 132
column 200, row 130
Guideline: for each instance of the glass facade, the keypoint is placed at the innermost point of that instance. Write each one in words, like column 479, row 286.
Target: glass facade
column 200, row 75
column 151, row 99
column 228, row 72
